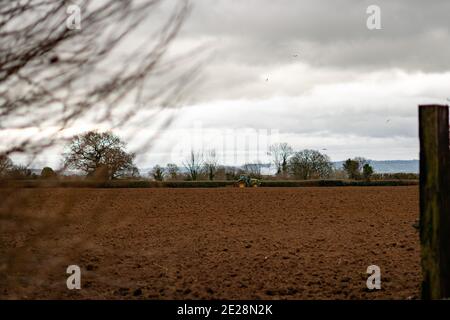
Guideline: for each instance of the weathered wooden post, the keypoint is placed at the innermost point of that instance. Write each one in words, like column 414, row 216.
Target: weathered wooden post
column 435, row 200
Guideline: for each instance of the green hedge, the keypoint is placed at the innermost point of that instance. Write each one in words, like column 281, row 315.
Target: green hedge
column 114, row 184
column 336, row 183
column 196, row 184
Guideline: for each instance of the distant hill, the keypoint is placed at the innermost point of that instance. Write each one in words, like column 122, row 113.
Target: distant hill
column 390, row 166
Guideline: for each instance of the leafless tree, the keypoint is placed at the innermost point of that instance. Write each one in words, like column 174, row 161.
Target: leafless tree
column 157, row 173
column 100, row 155
column 113, row 70
column 361, row 162
column 310, row 164
column 210, row 164
column 193, row 165
column 280, row 153
column 6, row 165
column 172, row 171
column 233, row 173
column 253, row 169
column 18, row 172
column 51, row 76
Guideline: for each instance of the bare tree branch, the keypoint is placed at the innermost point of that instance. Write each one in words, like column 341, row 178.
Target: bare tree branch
column 52, row 76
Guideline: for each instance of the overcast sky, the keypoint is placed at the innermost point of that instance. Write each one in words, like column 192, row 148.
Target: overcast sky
column 310, row 73
column 314, row 72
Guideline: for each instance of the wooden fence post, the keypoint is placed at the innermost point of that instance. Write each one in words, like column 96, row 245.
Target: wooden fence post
column 435, row 201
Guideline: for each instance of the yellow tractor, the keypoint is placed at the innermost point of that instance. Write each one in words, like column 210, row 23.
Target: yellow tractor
column 247, row 182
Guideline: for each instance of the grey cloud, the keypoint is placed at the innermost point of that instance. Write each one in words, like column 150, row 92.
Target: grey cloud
column 415, row 33
column 250, row 39
column 255, row 39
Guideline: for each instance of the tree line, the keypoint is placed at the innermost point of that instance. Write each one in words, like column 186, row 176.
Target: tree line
column 103, row 155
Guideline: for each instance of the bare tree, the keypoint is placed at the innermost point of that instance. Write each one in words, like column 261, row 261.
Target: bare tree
column 99, row 154
column 131, row 173
column 172, row 171
column 253, row 169
column 280, row 153
column 52, row 75
column 193, row 165
column 361, row 161
column 6, row 165
column 19, row 172
column 112, row 71
column 157, row 173
column 310, row 164
column 233, row 173
column 210, row 164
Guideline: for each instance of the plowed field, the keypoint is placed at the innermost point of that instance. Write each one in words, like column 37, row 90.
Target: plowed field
column 226, row 243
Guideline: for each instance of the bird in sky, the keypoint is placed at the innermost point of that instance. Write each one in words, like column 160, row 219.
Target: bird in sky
column 295, row 55
column 53, row 60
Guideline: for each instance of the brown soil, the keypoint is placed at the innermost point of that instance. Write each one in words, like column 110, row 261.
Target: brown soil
column 229, row 243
